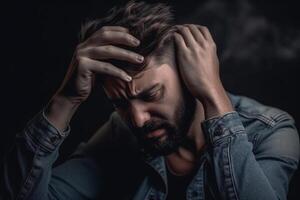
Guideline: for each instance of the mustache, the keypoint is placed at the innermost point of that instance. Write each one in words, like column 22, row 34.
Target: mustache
column 152, row 126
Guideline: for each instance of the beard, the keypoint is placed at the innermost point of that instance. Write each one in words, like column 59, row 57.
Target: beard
column 174, row 133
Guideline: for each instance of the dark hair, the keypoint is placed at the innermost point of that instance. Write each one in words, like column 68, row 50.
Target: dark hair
column 150, row 23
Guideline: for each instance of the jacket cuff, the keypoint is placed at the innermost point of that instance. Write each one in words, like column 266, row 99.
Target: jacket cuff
column 219, row 127
column 42, row 134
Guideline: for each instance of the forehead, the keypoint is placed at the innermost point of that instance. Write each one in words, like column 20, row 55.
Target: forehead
column 158, row 69
column 160, row 73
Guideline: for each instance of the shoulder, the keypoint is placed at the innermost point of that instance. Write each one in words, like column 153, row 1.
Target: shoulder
column 111, row 138
column 250, row 109
column 271, row 130
column 122, row 134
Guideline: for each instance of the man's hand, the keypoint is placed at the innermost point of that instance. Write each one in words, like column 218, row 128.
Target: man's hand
column 199, row 68
column 91, row 58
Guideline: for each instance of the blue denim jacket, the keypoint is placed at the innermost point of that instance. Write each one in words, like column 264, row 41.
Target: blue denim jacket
column 251, row 154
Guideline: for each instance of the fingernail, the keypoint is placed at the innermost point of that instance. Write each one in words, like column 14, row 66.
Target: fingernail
column 128, row 78
column 140, row 58
column 136, row 42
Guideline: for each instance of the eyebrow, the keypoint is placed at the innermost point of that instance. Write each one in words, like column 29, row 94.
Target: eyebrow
column 156, row 86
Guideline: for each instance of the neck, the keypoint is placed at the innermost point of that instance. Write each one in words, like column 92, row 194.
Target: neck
column 183, row 161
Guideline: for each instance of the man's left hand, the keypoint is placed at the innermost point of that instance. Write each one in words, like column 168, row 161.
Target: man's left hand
column 199, row 67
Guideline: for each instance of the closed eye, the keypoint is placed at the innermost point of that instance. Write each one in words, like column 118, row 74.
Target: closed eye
column 153, row 95
column 120, row 103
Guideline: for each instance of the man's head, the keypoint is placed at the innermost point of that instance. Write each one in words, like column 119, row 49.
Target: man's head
column 152, row 24
column 155, row 104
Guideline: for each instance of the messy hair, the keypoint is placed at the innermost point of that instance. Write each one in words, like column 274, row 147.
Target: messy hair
column 150, row 23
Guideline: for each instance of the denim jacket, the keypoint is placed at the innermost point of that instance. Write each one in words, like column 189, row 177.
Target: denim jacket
column 251, row 154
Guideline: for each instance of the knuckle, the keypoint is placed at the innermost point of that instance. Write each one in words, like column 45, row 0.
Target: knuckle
column 105, row 34
column 127, row 53
column 80, row 61
column 187, row 52
column 79, row 52
column 205, row 28
column 112, row 69
column 134, row 56
column 122, row 28
column 191, row 25
column 108, row 48
column 122, row 73
column 197, row 49
column 82, row 67
column 206, row 45
column 186, row 56
column 213, row 45
column 129, row 38
column 116, row 71
column 105, row 68
column 79, row 46
column 103, row 28
column 185, row 28
column 91, row 40
column 123, row 52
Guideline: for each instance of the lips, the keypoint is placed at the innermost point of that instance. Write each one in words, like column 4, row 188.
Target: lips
column 156, row 133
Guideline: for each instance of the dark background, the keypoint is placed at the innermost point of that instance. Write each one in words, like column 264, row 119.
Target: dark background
column 258, row 46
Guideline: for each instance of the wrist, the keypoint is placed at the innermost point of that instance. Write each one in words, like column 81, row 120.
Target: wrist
column 216, row 103
column 60, row 111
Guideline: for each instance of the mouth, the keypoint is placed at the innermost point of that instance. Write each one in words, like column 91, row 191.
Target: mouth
column 158, row 133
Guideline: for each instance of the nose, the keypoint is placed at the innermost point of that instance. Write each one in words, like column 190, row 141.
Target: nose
column 138, row 114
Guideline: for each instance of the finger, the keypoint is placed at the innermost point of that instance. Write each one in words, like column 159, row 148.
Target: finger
column 113, row 52
column 122, row 36
column 115, row 37
column 187, row 36
column 179, row 41
column 205, row 32
column 196, row 33
column 113, row 28
column 105, row 68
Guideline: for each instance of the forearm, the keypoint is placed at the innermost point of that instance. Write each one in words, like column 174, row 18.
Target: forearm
column 60, row 111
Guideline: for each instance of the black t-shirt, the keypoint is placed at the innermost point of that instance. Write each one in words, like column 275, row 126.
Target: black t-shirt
column 178, row 185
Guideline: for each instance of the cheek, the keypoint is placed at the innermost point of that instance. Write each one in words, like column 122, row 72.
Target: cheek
column 174, row 91
column 171, row 101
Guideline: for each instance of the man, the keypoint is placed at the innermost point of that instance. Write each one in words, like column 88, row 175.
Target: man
column 176, row 132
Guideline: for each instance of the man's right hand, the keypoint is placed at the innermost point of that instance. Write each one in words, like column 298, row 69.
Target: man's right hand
column 91, row 58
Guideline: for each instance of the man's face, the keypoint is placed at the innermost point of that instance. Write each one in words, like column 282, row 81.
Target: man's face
column 155, row 105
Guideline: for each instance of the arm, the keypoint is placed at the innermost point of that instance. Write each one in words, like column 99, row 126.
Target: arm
column 27, row 168
column 240, row 174
column 28, row 172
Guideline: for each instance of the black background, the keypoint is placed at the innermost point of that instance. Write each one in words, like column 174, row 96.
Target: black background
column 258, row 46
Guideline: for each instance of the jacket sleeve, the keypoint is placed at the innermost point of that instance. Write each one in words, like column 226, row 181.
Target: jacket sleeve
column 27, row 168
column 241, row 174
